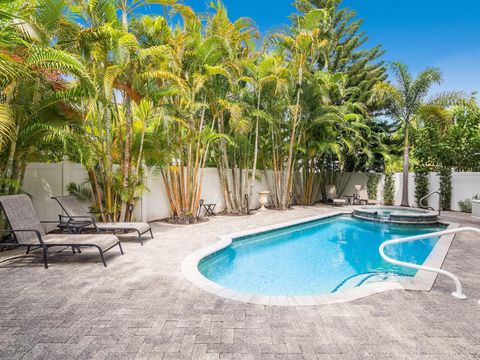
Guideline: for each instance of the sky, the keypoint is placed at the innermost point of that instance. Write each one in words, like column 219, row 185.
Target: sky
column 420, row 33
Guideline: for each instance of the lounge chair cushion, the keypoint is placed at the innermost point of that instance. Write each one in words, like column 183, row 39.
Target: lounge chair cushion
column 339, row 201
column 362, row 195
column 103, row 241
column 133, row 226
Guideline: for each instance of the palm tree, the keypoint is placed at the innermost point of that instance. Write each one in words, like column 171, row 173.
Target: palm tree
column 405, row 102
column 32, row 73
column 334, row 128
column 228, row 99
column 303, row 47
column 265, row 76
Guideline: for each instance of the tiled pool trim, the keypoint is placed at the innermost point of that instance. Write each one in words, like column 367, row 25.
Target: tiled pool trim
column 422, row 281
column 424, row 217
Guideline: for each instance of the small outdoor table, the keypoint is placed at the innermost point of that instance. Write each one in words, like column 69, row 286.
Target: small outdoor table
column 74, row 227
column 350, row 199
column 209, row 208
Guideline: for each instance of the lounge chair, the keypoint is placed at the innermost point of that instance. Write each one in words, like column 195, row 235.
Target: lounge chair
column 362, row 196
column 331, row 191
column 27, row 229
column 76, row 213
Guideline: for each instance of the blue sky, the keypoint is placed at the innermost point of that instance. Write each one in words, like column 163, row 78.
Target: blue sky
column 425, row 33
column 419, row 33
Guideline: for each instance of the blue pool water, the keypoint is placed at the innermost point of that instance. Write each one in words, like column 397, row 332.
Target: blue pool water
column 317, row 257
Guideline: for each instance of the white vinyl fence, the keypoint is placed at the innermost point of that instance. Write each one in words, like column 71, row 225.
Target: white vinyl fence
column 44, row 180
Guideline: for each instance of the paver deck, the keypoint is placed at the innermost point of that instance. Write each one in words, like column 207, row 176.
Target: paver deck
column 141, row 307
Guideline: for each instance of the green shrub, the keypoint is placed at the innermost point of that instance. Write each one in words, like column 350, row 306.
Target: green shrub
column 372, row 185
column 421, row 184
column 80, row 191
column 465, row 205
column 446, row 187
column 389, row 189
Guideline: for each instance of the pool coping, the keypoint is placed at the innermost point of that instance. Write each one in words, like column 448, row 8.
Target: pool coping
column 422, row 281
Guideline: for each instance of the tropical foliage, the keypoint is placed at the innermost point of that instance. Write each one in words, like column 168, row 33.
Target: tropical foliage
column 445, row 175
column 447, row 142
column 421, row 183
column 453, row 142
column 119, row 90
column 389, row 189
column 372, row 185
column 406, row 103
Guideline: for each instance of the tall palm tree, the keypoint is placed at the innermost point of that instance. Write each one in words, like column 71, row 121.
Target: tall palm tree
column 303, row 47
column 263, row 73
column 406, row 101
column 334, row 128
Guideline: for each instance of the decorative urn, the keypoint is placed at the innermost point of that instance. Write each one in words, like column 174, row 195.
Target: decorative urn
column 263, row 199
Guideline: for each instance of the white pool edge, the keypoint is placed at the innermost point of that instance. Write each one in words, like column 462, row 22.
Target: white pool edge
column 422, row 281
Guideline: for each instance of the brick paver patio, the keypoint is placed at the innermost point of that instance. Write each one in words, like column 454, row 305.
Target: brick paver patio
column 141, row 307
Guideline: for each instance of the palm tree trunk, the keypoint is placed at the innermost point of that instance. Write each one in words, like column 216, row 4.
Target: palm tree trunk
column 22, row 172
column 15, row 176
column 96, row 192
column 406, row 163
column 168, row 188
column 225, row 188
column 289, row 170
column 197, row 164
column 225, row 167
column 277, row 170
column 235, row 181
column 188, row 179
column 126, row 157
column 136, row 174
column 108, row 168
column 255, row 153
column 180, row 182
column 11, row 155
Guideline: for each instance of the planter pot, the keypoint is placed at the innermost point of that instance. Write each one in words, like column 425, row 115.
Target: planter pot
column 263, row 199
column 476, row 209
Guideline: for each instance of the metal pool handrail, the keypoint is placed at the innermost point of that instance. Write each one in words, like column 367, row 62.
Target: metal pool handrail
column 420, row 202
column 458, row 285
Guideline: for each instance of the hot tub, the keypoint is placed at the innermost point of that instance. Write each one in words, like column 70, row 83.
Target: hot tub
column 395, row 214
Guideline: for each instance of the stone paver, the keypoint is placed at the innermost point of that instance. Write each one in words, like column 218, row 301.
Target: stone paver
column 141, row 307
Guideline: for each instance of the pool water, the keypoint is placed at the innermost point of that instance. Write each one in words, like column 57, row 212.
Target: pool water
column 317, row 257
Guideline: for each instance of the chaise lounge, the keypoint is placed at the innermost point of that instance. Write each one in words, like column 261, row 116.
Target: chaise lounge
column 27, row 229
column 362, row 196
column 76, row 213
column 331, row 191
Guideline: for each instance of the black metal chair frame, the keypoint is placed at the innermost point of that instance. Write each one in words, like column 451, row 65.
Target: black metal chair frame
column 46, row 246
column 73, row 226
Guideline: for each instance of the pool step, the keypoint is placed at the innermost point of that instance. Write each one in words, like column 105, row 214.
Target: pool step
column 351, row 281
column 360, row 279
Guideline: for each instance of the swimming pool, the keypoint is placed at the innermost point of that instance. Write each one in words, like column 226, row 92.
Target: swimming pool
column 313, row 258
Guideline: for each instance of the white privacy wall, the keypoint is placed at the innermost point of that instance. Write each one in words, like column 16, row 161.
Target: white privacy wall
column 42, row 181
column 45, row 180
column 156, row 203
